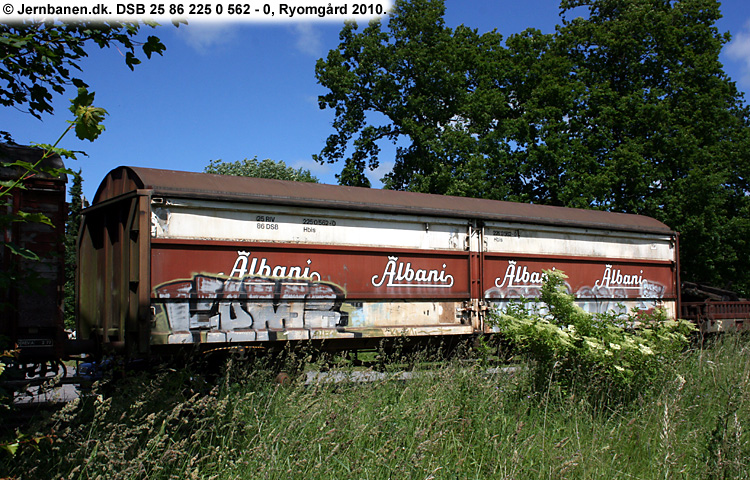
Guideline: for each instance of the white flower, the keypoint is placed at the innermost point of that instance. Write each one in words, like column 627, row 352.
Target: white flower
column 593, row 345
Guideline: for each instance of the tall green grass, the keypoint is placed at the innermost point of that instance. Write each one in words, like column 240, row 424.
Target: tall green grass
column 454, row 419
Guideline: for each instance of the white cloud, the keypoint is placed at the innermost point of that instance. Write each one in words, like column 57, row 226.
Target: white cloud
column 377, row 175
column 308, row 39
column 326, row 172
column 739, row 50
column 202, row 37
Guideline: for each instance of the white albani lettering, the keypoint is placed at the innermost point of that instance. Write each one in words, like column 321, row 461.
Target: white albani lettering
column 615, row 278
column 519, row 276
column 261, row 268
column 400, row 274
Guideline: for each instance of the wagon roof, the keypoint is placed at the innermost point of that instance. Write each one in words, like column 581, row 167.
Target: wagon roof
column 18, row 153
column 171, row 183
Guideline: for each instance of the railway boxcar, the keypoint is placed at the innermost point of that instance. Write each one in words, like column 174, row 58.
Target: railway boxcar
column 31, row 314
column 171, row 258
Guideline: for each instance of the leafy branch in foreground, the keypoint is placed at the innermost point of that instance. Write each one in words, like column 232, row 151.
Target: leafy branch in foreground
column 607, row 357
column 87, row 124
column 37, row 58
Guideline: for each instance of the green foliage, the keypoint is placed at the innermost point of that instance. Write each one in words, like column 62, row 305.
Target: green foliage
column 659, row 128
column 436, row 88
column 21, row 440
column 87, row 126
column 35, row 61
column 610, row 358
column 7, row 357
column 73, row 224
column 36, row 58
column 265, row 168
column 446, row 421
column 624, row 108
column 154, row 422
column 13, row 272
column 88, row 123
column 724, row 447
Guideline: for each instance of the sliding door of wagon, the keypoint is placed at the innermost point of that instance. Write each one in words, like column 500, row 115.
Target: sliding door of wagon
column 294, row 274
column 223, row 292
column 606, row 271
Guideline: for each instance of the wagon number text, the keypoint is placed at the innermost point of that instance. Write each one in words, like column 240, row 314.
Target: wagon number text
column 500, row 234
column 319, row 221
column 266, row 223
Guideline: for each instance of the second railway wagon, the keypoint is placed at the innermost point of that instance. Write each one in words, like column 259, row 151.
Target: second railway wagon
column 170, row 258
column 31, row 303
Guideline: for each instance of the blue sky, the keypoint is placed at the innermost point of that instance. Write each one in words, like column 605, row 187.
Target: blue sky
column 234, row 91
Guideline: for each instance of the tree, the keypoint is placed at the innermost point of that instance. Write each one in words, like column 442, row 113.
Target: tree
column 261, row 169
column 36, row 58
column 625, row 108
column 72, row 226
column 660, row 129
column 436, row 88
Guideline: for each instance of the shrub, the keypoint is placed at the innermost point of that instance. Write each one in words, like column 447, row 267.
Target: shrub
column 608, row 357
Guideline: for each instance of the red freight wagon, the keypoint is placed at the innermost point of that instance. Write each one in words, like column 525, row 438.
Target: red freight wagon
column 31, row 307
column 174, row 258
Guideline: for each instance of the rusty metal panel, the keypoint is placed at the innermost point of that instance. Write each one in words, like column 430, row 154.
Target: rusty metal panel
column 599, row 285
column 113, row 259
column 119, row 181
column 607, row 270
column 718, row 316
column 362, row 273
column 225, row 292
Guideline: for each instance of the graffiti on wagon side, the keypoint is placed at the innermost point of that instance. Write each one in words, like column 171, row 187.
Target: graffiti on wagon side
column 248, row 302
column 597, row 287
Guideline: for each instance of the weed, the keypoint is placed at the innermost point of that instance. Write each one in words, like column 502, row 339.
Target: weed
column 450, row 419
column 609, row 358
